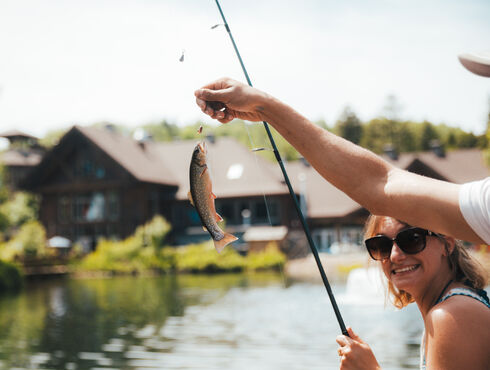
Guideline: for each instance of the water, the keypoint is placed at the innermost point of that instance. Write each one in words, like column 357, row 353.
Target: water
column 194, row 322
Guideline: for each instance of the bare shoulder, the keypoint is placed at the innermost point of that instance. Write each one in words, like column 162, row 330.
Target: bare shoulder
column 458, row 335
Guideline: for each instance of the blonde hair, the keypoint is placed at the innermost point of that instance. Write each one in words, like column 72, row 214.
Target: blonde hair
column 464, row 268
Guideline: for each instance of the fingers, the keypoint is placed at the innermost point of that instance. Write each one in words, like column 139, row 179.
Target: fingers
column 353, row 335
column 343, row 340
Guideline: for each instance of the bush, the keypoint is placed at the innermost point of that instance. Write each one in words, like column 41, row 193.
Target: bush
column 10, row 277
column 204, row 258
column 138, row 252
column 21, row 208
column 270, row 258
column 154, row 232
column 28, row 242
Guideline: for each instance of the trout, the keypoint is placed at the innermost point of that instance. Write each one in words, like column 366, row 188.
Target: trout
column 201, row 196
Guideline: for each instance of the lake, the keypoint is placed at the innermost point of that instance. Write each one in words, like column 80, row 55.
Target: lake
column 239, row 321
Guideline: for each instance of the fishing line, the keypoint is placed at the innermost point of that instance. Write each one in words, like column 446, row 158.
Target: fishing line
column 291, row 191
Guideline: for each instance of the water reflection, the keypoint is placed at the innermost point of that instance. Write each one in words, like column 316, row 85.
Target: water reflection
column 192, row 322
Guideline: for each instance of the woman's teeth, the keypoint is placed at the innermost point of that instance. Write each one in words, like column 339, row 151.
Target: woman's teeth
column 405, row 269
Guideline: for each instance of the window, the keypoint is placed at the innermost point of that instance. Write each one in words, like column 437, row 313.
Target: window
column 89, row 207
column 112, row 206
column 88, row 169
column 64, row 209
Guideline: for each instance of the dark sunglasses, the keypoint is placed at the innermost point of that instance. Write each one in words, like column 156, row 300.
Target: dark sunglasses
column 410, row 241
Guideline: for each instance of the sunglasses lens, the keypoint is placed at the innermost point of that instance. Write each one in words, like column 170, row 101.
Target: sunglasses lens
column 411, row 241
column 379, row 247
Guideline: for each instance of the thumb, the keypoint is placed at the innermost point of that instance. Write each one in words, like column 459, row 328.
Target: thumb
column 353, row 335
column 213, row 95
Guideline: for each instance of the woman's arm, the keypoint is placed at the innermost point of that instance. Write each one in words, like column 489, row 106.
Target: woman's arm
column 368, row 179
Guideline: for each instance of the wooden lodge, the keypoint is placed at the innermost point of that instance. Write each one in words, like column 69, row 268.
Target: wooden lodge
column 98, row 183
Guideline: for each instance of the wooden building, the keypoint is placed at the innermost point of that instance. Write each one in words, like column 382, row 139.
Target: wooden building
column 98, row 183
column 23, row 153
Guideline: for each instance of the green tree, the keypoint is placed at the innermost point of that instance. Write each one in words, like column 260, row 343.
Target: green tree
column 376, row 134
column 349, row 126
column 427, row 135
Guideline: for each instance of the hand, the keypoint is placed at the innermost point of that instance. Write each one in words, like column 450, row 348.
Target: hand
column 355, row 354
column 226, row 99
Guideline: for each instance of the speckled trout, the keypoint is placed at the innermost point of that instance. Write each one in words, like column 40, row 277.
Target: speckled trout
column 201, row 196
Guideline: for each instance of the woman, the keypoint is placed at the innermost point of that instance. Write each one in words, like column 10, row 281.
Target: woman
column 437, row 273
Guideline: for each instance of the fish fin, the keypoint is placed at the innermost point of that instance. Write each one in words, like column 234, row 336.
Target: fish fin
column 189, row 196
column 204, row 228
column 218, row 217
column 213, row 195
column 204, row 170
column 227, row 239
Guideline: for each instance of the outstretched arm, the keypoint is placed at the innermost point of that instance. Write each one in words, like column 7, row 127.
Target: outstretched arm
column 368, row 179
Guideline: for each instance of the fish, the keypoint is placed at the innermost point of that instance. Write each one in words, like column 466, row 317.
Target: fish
column 202, row 198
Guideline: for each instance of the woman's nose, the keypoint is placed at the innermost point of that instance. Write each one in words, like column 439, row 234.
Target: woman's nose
column 396, row 253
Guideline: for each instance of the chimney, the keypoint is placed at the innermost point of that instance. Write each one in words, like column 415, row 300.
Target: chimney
column 391, row 152
column 305, row 162
column 437, row 148
column 110, row 127
column 142, row 137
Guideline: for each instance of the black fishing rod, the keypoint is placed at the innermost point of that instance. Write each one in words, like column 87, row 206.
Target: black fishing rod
column 291, row 191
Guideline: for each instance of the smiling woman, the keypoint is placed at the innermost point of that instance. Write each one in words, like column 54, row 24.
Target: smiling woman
column 429, row 268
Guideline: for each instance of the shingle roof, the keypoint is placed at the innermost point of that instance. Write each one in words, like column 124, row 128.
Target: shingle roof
column 20, row 158
column 168, row 163
column 143, row 164
column 16, row 133
column 457, row 166
column 235, row 171
column 323, row 199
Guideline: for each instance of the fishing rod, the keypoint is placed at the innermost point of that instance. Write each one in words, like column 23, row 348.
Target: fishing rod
column 291, row 191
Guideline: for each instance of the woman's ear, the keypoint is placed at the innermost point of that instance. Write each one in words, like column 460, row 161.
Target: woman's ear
column 449, row 243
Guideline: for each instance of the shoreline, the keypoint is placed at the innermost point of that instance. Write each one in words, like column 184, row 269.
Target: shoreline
column 338, row 266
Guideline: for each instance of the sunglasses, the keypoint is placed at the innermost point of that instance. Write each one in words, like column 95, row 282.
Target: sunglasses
column 410, row 241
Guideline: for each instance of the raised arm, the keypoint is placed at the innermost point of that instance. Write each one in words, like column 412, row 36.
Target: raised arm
column 368, row 179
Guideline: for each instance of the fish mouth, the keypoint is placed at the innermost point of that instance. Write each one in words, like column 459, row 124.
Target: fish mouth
column 202, row 147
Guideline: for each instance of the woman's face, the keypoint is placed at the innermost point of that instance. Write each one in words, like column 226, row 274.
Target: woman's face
column 411, row 272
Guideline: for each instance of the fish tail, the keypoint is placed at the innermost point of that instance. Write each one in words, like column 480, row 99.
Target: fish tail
column 227, row 239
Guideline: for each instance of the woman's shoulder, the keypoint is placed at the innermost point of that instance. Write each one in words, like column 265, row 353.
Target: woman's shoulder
column 456, row 323
column 461, row 305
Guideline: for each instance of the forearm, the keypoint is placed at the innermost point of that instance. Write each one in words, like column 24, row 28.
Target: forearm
column 368, row 179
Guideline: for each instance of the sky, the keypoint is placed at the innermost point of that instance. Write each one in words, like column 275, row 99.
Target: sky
column 66, row 62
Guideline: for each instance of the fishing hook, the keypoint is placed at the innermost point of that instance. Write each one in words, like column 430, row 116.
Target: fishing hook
column 288, row 183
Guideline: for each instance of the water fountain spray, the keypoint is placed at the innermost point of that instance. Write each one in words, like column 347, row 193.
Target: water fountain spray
column 291, row 192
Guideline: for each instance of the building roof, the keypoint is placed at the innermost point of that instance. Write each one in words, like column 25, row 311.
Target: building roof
column 234, row 169
column 136, row 157
column 16, row 134
column 20, row 158
column 457, row 166
column 322, row 198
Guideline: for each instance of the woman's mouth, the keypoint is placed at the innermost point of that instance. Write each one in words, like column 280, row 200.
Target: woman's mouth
column 404, row 270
